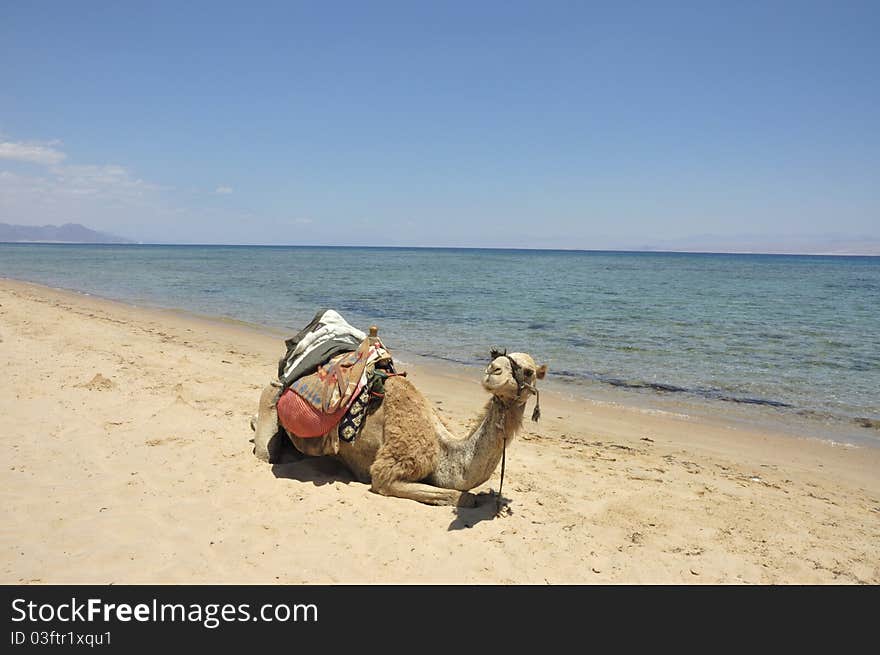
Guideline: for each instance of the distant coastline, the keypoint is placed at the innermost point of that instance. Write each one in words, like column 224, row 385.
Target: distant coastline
column 69, row 233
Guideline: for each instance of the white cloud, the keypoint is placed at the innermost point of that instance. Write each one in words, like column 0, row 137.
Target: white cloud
column 91, row 180
column 97, row 195
column 35, row 153
column 40, row 185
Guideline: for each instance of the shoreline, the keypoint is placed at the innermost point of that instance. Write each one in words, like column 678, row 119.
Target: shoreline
column 789, row 421
column 143, row 473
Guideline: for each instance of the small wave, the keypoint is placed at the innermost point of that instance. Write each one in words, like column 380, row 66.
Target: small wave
column 662, row 412
column 838, row 444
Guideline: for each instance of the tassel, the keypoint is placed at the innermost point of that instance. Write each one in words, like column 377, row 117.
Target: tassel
column 536, row 414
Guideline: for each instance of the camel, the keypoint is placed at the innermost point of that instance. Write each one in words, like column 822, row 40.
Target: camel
column 404, row 448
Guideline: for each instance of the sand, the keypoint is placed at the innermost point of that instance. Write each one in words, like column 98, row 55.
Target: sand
column 125, row 433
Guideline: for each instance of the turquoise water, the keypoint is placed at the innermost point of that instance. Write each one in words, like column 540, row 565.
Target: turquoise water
column 788, row 335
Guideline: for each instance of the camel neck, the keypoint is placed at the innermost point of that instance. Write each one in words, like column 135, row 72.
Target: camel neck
column 505, row 418
column 469, row 462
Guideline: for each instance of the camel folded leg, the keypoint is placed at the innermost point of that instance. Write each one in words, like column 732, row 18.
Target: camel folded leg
column 267, row 436
column 425, row 493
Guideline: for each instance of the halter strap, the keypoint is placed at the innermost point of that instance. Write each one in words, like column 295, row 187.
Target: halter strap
column 521, row 384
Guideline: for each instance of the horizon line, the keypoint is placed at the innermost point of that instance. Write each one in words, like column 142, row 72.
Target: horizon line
column 399, row 247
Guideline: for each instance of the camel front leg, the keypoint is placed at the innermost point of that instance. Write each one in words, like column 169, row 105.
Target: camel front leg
column 425, row 493
column 267, row 437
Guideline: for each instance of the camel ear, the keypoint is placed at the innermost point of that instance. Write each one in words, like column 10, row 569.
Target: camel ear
column 541, row 372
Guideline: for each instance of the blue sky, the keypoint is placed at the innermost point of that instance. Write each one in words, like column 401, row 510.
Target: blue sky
column 508, row 124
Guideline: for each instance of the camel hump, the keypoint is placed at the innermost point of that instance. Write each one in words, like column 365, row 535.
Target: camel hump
column 400, row 392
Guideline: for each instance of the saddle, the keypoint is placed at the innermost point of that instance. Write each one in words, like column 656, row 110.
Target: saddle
column 330, row 404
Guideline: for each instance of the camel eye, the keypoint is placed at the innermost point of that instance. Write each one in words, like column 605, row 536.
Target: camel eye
column 529, row 372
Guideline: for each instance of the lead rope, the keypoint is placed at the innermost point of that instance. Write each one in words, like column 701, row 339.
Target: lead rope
column 501, row 484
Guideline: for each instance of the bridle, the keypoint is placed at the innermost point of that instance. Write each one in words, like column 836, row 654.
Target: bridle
column 519, row 378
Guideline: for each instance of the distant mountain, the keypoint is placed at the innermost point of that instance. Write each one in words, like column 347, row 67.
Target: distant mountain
column 67, row 233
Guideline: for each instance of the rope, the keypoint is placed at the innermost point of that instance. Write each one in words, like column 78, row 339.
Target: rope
column 501, row 484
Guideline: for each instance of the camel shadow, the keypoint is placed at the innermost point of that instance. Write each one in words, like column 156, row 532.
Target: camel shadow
column 293, row 465
column 487, row 509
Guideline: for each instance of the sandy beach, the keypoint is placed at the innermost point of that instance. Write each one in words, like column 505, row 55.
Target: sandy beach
column 127, row 460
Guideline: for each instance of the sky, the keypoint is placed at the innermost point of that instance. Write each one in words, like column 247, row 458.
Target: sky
column 489, row 124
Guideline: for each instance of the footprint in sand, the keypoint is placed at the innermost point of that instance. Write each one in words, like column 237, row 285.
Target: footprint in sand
column 98, row 383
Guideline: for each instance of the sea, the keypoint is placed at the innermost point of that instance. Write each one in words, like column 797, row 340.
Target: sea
column 787, row 341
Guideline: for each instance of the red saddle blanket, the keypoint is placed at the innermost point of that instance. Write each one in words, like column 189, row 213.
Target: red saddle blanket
column 303, row 419
column 315, row 404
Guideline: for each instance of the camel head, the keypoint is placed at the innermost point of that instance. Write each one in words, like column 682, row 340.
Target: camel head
column 512, row 381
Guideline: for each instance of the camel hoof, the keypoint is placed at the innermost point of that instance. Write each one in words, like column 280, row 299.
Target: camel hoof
column 467, row 499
